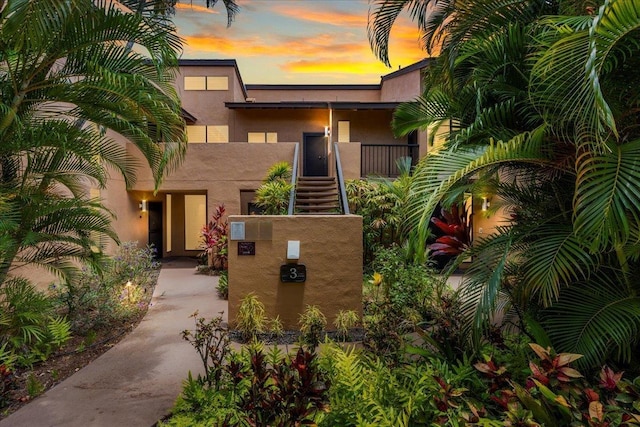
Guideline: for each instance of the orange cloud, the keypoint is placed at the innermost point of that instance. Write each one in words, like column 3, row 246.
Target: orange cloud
column 324, row 44
column 330, row 17
column 195, row 8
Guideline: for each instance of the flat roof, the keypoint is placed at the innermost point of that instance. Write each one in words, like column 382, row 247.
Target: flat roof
column 313, row 87
column 415, row 66
column 311, row 105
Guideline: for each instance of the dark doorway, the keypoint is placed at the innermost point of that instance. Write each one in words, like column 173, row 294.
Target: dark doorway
column 155, row 227
column 315, row 154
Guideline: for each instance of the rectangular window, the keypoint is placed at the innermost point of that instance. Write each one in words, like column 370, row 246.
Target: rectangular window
column 344, row 132
column 195, row 217
column 256, row 137
column 272, row 137
column 217, row 134
column 217, row 83
column 197, row 134
column 195, row 83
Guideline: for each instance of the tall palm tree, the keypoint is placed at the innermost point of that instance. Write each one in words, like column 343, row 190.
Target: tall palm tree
column 548, row 104
column 69, row 88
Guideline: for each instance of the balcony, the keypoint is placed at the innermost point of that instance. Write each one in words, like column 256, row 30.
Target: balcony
column 381, row 159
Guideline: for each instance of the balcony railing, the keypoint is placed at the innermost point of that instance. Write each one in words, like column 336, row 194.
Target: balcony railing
column 381, row 159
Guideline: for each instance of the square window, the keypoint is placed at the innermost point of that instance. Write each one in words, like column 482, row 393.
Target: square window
column 197, row 134
column 217, row 134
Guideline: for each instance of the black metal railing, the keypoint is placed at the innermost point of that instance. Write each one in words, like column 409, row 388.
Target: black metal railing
column 344, row 203
column 381, row 159
column 294, row 180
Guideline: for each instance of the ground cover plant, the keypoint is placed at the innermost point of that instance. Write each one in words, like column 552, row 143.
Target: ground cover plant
column 47, row 336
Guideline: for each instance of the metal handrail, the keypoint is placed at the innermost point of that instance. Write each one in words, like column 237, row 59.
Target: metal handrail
column 343, row 191
column 294, row 181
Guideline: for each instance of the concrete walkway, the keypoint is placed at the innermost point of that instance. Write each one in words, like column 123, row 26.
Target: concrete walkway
column 136, row 382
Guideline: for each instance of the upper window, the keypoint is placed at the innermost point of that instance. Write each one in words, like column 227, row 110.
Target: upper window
column 344, row 131
column 218, row 83
column 206, row 83
column 195, row 83
column 262, row 137
column 200, row 134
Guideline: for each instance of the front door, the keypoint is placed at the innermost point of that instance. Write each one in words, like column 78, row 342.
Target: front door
column 315, row 154
column 155, row 227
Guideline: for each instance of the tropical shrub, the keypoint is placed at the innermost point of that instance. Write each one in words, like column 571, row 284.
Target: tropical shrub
column 273, row 195
column 402, row 296
column 30, row 328
column 344, row 322
column 381, row 203
column 539, row 101
column 250, row 320
column 211, row 341
column 222, row 289
column 365, row 390
column 312, row 324
column 215, row 237
column 255, row 389
column 117, row 292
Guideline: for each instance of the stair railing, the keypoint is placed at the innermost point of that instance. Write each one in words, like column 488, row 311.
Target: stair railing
column 343, row 192
column 294, row 181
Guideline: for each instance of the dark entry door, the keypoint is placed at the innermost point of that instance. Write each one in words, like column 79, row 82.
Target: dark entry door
column 315, row 154
column 155, row 226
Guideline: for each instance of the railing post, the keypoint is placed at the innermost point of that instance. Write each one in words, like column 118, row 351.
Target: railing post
column 340, row 176
column 294, row 181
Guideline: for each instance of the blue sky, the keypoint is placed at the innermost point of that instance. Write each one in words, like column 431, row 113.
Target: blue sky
column 295, row 41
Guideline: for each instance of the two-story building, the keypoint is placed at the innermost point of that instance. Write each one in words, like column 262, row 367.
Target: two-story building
column 237, row 131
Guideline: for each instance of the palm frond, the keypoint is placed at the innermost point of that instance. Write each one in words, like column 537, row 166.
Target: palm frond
column 608, row 195
column 598, row 318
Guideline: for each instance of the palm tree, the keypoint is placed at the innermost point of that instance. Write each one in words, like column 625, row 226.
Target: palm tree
column 69, row 88
column 546, row 103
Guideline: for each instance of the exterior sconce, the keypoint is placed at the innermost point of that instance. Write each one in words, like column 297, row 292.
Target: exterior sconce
column 486, row 203
column 144, row 206
column 327, row 131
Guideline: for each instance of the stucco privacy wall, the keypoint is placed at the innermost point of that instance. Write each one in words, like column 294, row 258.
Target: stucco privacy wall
column 331, row 250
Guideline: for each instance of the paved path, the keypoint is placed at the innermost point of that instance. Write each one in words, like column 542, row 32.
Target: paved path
column 136, row 382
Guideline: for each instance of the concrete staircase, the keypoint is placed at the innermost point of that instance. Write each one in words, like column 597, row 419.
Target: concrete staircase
column 317, row 195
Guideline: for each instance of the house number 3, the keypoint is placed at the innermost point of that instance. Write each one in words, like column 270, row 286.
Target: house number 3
column 293, row 273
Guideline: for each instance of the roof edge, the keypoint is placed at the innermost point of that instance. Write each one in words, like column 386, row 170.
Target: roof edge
column 415, row 66
column 313, row 87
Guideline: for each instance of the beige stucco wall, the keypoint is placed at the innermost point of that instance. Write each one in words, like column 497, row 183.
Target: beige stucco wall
column 221, row 171
column 331, row 250
column 405, row 87
column 278, row 93
column 290, row 124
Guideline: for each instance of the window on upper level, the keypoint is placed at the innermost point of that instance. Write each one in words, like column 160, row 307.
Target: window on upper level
column 212, row 134
column 344, row 131
column 206, row 83
column 262, row 137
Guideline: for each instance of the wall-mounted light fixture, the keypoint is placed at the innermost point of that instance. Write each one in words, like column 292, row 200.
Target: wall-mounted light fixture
column 144, row 206
column 486, row 203
column 327, row 131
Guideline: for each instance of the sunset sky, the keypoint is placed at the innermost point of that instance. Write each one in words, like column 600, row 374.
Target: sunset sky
column 295, row 41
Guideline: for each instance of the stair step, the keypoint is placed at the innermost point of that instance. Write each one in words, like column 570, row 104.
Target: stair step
column 307, row 194
column 312, row 202
column 316, row 178
column 318, row 208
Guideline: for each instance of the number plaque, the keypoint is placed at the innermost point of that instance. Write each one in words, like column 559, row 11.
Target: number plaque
column 293, row 273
